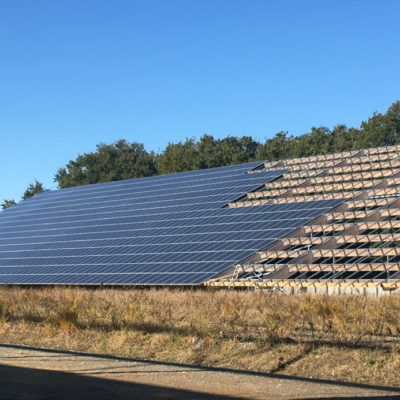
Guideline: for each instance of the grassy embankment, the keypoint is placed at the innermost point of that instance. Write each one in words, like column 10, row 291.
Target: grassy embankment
column 353, row 338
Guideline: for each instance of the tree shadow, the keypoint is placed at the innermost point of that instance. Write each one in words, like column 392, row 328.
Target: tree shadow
column 38, row 384
column 275, row 375
column 348, row 398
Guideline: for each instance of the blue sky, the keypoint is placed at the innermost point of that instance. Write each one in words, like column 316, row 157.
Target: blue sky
column 76, row 73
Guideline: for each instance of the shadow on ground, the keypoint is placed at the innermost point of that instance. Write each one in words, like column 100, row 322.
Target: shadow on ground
column 357, row 398
column 18, row 383
column 34, row 384
column 54, row 352
column 25, row 383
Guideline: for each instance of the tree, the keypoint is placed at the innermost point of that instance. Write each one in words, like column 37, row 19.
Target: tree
column 343, row 139
column 178, row 157
column 318, row 141
column 381, row 129
column 207, row 152
column 33, row 189
column 277, row 148
column 236, row 150
column 7, row 204
column 110, row 162
column 124, row 160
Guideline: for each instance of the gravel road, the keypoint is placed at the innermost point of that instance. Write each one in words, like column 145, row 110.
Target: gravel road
column 27, row 373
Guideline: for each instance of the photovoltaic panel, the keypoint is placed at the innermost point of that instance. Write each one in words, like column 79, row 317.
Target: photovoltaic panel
column 169, row 229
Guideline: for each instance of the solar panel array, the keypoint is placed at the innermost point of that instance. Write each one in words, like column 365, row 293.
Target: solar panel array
column 169, row 229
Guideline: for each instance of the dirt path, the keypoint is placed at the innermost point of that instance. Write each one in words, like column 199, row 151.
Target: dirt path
column 27, row 373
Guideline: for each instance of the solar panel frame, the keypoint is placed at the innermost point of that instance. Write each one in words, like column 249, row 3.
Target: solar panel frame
column 170, row 229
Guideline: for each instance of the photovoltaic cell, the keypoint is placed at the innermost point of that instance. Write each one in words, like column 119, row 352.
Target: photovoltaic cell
column 165, row 230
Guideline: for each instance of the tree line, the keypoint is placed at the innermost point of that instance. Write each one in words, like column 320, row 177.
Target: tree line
column 33, row 189
column 124, row 160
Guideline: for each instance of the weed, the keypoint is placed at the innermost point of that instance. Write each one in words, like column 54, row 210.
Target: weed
column 67, row 318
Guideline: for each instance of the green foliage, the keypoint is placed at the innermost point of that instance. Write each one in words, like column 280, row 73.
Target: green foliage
column 279, row 145
column 33, row 189
column 379, row 130
column 206, row 153
column 111, row 162
column 343, row 139
column 124, row 160
column 177, row 157
column 7, row 204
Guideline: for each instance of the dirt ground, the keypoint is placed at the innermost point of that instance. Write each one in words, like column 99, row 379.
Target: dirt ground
column 28, row 373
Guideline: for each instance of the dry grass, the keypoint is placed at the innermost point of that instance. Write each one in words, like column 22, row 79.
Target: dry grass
column 353, row 338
